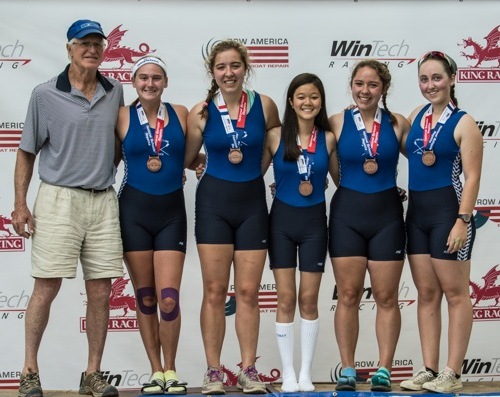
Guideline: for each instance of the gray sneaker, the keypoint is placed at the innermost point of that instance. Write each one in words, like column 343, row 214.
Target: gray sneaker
column 29, row 385
column 446, row 382
column 249, row 381
column 95, row 384
column 415, row 383
column 213, row 382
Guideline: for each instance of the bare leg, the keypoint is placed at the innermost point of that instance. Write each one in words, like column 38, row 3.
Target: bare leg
column 430, row 295
column 350, row 276
column 168, row 274
column 97, row 317
column 248, row 268
column 454, row 278
column 385, row 278
column 37, row 317
column 141, row 270
column 216, row 263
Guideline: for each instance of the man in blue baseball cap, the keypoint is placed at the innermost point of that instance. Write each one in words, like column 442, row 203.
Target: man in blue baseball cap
column 70, row 122
column 83, row 27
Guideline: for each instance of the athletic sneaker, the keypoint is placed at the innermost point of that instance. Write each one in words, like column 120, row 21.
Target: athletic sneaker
column 249, row 381
column 446, row 382
column 347, row 380
column 213, row 383
column 381, row 381
column 29, row 385
column 415, row 383
column 95, row 384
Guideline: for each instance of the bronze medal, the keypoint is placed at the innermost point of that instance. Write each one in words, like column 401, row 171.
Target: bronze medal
column 305, row 188
column 428, row 158
column 370, row 166
column 154, row 163
column 235, row 156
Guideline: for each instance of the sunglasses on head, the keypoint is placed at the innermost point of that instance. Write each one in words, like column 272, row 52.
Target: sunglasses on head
column 439, row 55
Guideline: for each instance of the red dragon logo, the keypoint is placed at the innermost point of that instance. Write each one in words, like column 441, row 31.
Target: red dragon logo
column 232, row 377
column 118, row 300
column 115, row 52
column 491, row 52
column 5, row 227
column 489, row 290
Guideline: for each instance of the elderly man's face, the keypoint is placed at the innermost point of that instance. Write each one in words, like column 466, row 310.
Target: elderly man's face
column 87, row 52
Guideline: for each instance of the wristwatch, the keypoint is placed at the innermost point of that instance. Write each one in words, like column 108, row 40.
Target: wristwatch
column 464, row 217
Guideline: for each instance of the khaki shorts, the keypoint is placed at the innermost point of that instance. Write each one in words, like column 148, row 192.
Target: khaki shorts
column 72, row 224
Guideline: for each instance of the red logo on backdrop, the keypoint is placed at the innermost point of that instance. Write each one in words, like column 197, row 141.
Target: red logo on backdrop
column 10, row 136
column 489, row 291
column 402, row 369
column 9, row 240
column 264, row 52
column 9, row 380
column 491, row 212
column 125, row 321
column 12, row 54
column 125, row 56
column 481, row 57
column 268, row 301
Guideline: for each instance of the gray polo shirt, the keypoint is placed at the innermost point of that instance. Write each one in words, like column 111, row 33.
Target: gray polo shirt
column 75, row 137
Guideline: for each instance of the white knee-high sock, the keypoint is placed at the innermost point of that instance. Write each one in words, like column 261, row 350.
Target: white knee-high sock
column 308, row 337
column 285, row 336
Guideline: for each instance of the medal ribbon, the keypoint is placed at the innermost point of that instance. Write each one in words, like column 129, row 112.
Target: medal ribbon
column 154, row 143
column 369, row 145
column 226, row 119
column 304, row 162
column 428, row 137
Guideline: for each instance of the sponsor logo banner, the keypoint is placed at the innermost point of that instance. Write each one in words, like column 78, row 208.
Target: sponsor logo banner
column 483, row 59
column 125, row 56
column 124, row 304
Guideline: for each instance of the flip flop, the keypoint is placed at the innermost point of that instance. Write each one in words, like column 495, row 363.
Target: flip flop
column 173, row 386
column 155, row 387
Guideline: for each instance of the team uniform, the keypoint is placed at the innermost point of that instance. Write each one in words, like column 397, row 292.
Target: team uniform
column 230, row 198
column 366, row 213
column 152, row 209
column 298, row 221
column 435, row 192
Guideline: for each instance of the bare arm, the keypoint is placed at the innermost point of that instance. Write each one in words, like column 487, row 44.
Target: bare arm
column 270, row 112
column 402, row 130
column 333, row 164
column 336, row 123
column 194, row 138
column 21, row 216
column 470, row 141
column 468, row 137
column 270, row 146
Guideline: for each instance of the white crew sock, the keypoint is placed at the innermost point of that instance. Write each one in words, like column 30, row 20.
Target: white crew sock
column 285, row 336
column 308, row 337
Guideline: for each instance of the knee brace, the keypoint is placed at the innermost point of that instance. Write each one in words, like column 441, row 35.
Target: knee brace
column 171, row 293
column 146, row 292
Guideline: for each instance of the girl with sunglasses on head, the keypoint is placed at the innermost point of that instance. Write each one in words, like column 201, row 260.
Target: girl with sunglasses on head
column 443, row 142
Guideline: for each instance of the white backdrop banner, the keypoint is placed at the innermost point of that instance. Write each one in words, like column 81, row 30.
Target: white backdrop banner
column 285, row 38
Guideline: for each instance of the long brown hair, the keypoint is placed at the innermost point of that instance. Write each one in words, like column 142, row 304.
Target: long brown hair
column 219, row 47
column 385, row 76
